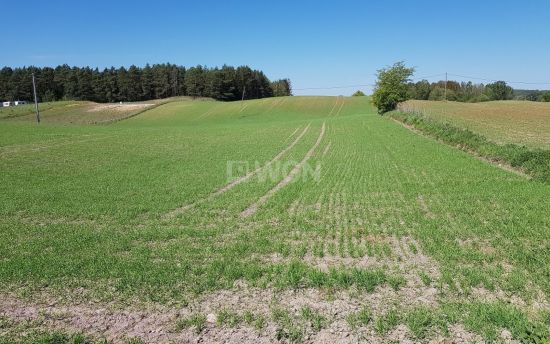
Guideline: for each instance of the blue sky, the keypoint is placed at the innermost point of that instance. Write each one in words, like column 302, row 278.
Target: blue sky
column 314, row 43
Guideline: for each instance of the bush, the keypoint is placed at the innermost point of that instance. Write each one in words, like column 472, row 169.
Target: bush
column 480, row 98
column 358, row 93
column 391, row 87
column 499, row 91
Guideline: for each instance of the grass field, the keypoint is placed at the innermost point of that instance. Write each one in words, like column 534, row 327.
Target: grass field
column 335, row 225
column 520, row 122
column 80, row 112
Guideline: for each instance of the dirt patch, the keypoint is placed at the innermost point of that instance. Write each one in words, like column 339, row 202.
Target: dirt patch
column 424, row 207
column 159, row 325
column 118, row 107
column 483, row 246
column 155, row 323
column 406, row 260
column 375, row 238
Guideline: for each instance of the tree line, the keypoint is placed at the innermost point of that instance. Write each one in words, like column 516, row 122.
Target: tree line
column 532, row 95
column 394, row 85
column 139, row 83
column 471, row 92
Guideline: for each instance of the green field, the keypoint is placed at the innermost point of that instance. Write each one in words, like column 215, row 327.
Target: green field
column 80, row 112
column 344, row 224
column 508, row 121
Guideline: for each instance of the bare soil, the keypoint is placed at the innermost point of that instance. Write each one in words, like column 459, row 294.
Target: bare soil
column 119, row 107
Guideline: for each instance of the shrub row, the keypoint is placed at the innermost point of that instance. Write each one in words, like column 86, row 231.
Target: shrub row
column 534, row 162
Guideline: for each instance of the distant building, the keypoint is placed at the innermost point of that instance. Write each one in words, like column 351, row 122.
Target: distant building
column 15, row 103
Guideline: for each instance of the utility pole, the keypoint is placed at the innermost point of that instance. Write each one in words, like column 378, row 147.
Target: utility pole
column 35, row 99
column 445, row 86
column 244, row 90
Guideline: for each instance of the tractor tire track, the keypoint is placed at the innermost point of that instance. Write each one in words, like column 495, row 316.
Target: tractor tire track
column 239, row 180
column 291, row 135
column 286, row 180
column 275, row 104
column 327, row 147
column 243, row 107
column 208, row 112
column 205, row 114
column 334, row 106
column 341, row 106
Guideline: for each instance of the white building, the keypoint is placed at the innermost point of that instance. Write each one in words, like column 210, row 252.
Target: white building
column 15, row 103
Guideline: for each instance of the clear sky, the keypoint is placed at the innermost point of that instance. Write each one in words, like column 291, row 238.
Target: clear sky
column 314, row 43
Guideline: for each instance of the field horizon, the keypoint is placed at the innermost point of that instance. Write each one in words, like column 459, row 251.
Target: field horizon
column 294, row 219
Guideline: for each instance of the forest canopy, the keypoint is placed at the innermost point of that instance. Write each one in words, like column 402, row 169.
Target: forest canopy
column 139, row 83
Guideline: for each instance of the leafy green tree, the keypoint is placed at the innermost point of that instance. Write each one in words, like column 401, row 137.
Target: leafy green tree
column 546, row 97
column 499, row 91
column 358, row 93
column 391, row 87
column 422, row 89
column 281, row 88
column 438, row 93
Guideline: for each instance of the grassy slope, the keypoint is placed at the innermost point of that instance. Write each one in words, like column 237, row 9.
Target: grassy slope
column 24, row 110
column 80, row 112
column 517, row 122
column 84, row 207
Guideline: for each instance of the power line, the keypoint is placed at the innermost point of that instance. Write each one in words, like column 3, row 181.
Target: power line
column 331, row 87
column 428, row 76
column 507, row 81
column 425, row 77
